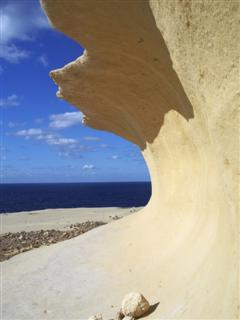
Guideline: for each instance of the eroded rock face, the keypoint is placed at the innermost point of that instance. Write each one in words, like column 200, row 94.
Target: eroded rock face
column 135, row 305
column 127, row 85
column 165, row 76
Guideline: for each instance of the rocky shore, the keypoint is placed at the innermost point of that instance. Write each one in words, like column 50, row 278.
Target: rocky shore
column 18, row 242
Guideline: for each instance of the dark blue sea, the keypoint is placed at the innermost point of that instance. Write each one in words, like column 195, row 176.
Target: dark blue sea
column 28, row 197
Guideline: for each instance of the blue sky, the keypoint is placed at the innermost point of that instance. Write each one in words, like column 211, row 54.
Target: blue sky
column 42, row 137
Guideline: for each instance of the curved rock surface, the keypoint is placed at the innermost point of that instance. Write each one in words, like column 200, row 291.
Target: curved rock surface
column 163, row 75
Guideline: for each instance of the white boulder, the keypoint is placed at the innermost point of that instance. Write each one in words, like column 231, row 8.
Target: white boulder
column 134, row 305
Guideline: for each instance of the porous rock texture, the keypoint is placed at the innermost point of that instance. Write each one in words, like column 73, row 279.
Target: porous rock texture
column 164, row 75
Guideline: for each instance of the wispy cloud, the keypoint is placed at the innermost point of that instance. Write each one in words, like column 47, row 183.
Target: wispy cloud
column 12, row 54
column 115, row 157
column 12, row 124
column 56, row 141
column 65, row 120
column 88, row 138
column 64, row 154
column 88, row 167
column 20, row 20
column 43, row 60
column 65, row 147
column 48, row 138
column 74, row 151
column 29, row 132
column 10, row 101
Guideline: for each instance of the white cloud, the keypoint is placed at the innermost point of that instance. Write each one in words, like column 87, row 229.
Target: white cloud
column 65, row 147
column 49, row 139
column 43, row 60
column 65, row 120
column 29, row 132
column 72, row 150
column 12, row 54
column 61, row 141
column 65, row 154
column 103, row 145
column 34, row 132
column 10, row 101
column 92, row 138
column 12, row 124
column 115, row 157
column 88, row 167
column 20, row 20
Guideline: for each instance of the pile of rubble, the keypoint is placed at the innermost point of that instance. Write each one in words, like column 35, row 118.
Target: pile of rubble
column 15, row 243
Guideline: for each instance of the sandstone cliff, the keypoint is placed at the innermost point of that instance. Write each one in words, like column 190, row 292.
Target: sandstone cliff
column 164, row 75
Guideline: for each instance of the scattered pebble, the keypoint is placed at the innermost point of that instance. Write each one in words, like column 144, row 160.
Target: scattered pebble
column 116, row 217
column 15, row 243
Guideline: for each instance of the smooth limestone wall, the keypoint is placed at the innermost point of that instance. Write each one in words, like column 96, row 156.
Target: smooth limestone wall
column 164, row 75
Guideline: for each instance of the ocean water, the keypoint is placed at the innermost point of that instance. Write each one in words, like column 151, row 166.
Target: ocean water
column 28, row 197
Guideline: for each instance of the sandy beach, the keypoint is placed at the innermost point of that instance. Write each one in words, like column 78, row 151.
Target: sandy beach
column 59, row 219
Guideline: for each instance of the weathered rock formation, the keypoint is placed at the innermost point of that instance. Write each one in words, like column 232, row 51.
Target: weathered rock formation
column 127, row 82
column 164, row 75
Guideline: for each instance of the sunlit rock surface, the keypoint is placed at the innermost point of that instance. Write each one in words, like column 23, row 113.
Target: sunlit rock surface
column 164, row 75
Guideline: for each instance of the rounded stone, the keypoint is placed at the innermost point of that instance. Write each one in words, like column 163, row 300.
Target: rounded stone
column 135, row 305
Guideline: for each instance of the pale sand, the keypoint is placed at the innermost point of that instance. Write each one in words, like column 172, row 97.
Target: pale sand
column 58, row 219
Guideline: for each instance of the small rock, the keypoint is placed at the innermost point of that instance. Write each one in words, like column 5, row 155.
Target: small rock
column 135, row 305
